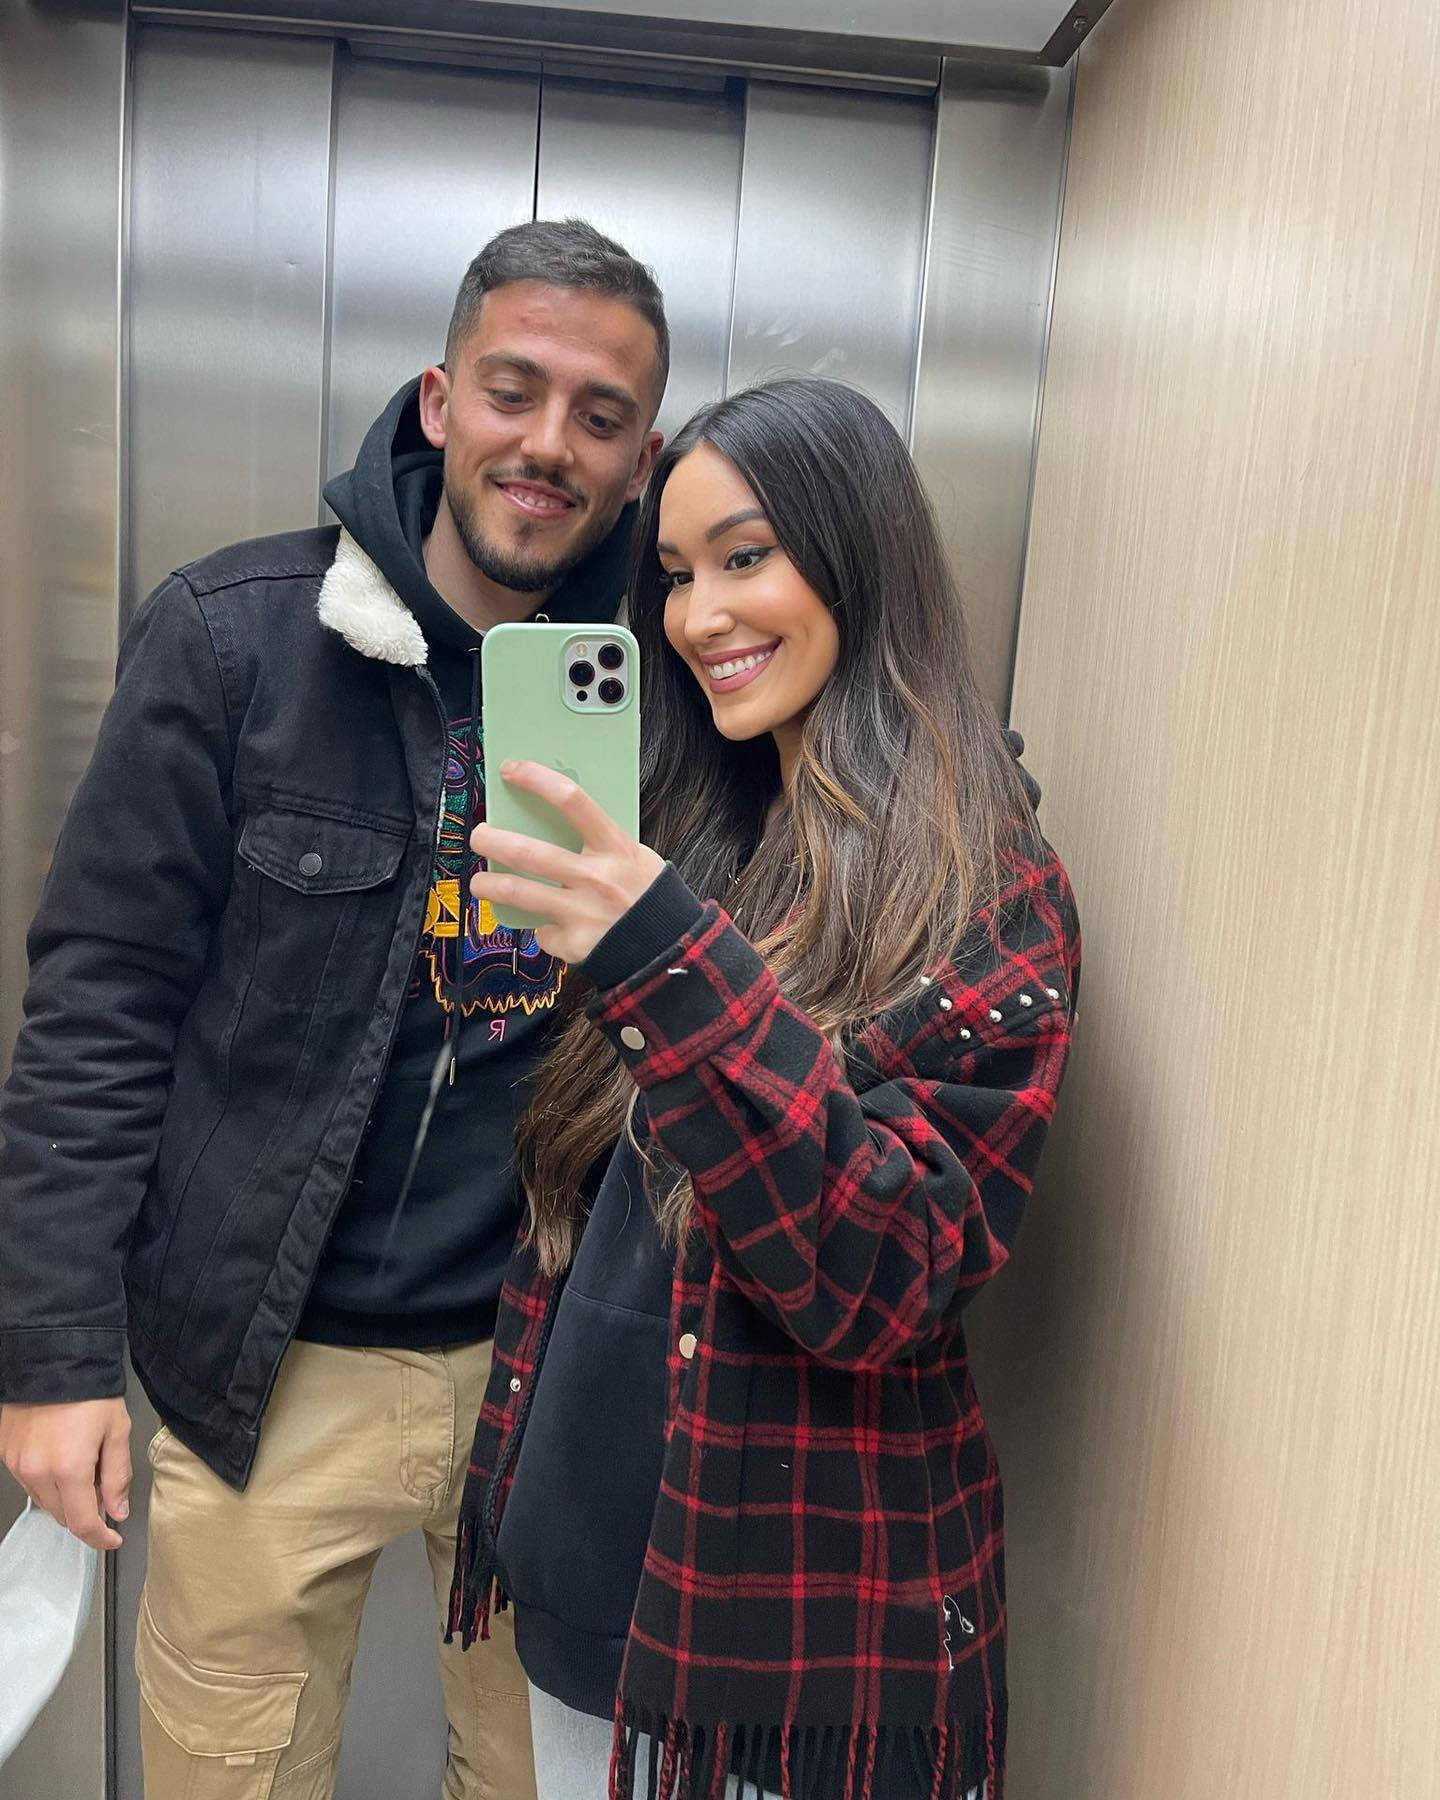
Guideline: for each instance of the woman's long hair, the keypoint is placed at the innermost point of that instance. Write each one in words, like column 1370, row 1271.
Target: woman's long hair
column 904, row 796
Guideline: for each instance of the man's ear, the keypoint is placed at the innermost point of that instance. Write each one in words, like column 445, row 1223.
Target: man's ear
column 649, row 450
column 435, row 404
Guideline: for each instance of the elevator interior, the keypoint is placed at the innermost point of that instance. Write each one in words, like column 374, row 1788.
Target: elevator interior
column 293, row 205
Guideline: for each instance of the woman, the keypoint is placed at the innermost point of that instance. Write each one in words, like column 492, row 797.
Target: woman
column 738, row 1451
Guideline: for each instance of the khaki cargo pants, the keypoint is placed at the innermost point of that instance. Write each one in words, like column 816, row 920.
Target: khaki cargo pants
column 252, row 1601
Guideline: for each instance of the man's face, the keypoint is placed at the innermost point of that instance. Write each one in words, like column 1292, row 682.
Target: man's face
column 544, row 416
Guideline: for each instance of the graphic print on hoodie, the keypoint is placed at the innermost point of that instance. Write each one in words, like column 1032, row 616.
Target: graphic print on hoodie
column 428, row 1273
column 502, row 972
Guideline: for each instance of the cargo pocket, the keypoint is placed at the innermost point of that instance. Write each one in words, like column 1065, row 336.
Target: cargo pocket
column 220, row 1736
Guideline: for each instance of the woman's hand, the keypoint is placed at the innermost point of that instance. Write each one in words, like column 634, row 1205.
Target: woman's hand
column 597, row 884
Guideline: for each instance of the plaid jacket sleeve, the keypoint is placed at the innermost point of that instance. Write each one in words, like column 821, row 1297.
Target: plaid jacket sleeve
column 856, row 1208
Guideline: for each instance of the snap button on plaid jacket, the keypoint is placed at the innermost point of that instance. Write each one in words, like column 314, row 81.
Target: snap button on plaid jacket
column 824, row 1582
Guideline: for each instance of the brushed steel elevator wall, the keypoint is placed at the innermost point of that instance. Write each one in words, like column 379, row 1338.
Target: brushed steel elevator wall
column 996, row 24
column 227, row 288
column 62, row 93
column 829, row 270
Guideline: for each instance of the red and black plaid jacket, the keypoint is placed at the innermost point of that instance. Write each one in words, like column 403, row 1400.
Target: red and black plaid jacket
column 824, row 1575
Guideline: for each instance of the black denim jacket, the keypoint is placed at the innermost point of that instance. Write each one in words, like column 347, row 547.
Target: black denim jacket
column 218, row 966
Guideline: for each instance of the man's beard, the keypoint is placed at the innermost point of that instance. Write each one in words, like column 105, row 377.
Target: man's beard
column 513, row 569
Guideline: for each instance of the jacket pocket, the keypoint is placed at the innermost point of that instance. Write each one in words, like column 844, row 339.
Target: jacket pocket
column 307, row 875
column 224, row 1733
column 577, row 1521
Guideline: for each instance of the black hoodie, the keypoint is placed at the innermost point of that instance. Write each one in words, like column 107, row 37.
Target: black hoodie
column 420, row 1265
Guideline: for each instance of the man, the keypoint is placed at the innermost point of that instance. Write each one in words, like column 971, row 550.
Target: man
column 261, row 1110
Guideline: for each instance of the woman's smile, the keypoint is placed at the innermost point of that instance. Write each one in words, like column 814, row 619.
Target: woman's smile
column 730, row 670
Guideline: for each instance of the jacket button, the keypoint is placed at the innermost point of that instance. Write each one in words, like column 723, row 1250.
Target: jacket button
column 310, row 863
column 514, row 1384
column 688, row 1345
column 632, row 1038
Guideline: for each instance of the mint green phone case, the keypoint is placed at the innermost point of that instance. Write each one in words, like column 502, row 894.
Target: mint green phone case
column 529, row 717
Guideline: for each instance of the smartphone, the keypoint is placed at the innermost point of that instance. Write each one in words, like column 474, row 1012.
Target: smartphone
column 567, row 696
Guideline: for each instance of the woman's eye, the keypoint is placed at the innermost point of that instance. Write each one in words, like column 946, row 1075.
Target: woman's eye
column 740, row 560
column 672, row 579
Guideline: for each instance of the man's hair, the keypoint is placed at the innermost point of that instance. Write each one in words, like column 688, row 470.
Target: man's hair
column 564, row 253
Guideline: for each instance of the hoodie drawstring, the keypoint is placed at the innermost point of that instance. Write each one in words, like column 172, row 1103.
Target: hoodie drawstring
column 448, row 1057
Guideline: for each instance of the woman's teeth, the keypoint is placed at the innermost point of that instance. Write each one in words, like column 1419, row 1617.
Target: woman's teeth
column 723, row 671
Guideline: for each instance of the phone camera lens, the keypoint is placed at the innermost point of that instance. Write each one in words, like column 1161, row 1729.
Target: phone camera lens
column 611, row 656
column 581, row 674
column 611, row 692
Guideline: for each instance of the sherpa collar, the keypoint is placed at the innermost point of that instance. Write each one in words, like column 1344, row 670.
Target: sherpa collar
column 360, row 604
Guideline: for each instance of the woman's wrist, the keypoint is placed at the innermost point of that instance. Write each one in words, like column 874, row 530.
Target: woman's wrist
column 657, row 921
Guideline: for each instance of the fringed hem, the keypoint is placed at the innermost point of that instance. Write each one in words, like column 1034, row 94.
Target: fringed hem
column 683, row 1761
column 475, row 1592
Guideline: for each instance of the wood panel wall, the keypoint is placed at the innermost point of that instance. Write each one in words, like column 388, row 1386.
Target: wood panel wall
column 1216, row 1370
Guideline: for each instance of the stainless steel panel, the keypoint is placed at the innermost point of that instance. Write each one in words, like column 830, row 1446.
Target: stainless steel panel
column 230, row 160
column 505, row 36
column 62, row 76
column 429, row 164
column 1001, row 24
column 61, row 102
column 994, row 225
column 661, row 173
column 870, row 42
column 831, row 240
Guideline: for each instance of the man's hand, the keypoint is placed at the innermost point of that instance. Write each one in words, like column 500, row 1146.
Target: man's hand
column 73, row 1460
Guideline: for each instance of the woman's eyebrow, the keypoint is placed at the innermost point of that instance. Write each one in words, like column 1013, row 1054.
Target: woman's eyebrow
column 718, row 530
column 735, row 518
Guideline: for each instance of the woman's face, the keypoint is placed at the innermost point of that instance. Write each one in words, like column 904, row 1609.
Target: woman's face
column 757, row 637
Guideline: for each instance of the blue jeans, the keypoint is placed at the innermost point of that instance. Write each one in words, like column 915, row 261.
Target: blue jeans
column 572, row 1754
